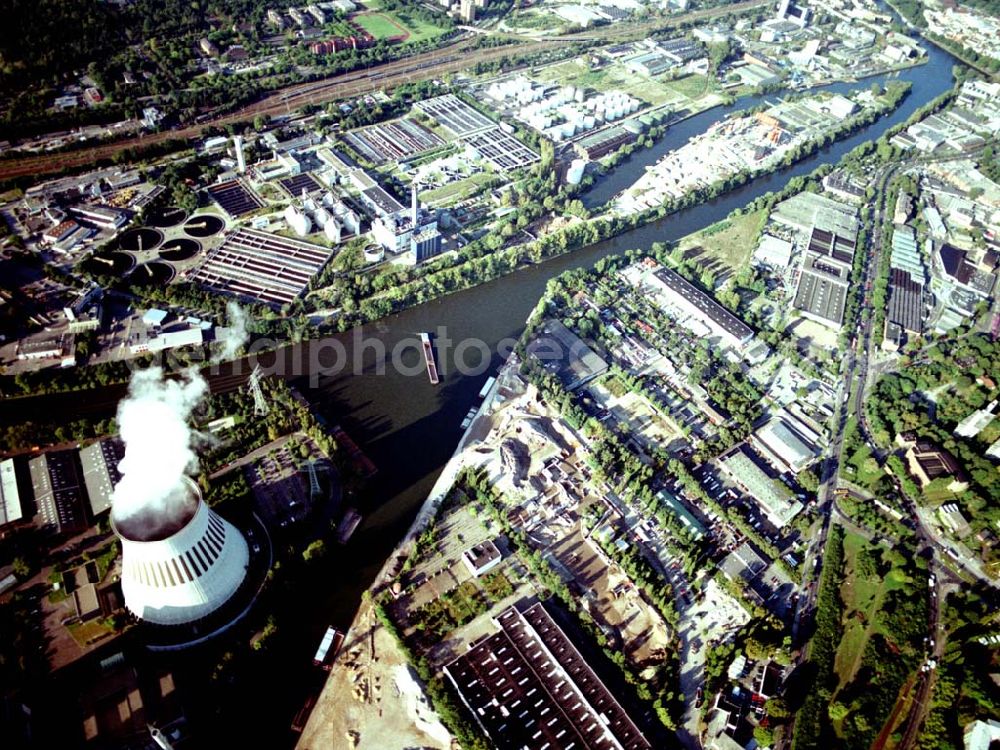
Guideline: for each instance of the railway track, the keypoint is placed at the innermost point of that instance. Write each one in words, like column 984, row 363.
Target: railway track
column 446, row 59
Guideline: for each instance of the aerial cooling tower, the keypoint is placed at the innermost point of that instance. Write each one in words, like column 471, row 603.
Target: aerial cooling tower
column 180, row 565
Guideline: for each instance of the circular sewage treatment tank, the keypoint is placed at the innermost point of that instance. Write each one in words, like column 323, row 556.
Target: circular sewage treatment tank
column 164, row 218
column 154, row 273
column 204, row 225
column 143, row 238
column 179, row 249
column 109, row 264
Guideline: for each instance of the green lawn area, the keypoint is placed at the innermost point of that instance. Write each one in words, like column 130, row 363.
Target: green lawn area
column 730, row 241
column 86, row 633
column 104, row 559
column 615, row 386
column 860, row 465
column 866, row 470
column 462, row 604
column 852, row 646
column 692, row 86
column 497, row 586
column 455, row 191
column 339, row 28
column 452, row 610
column 611, row 77
column 862, row 598
column 534, row 19
column 419, row 30
column 379, row 25
column 936, row 494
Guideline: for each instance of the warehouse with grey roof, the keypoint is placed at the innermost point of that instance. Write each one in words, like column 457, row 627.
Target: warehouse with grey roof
column 782, row 446
column 100, row 472
column 821, row 294
column 564, row 354
column 692, row 302
column 11, row 509
column 774, row 498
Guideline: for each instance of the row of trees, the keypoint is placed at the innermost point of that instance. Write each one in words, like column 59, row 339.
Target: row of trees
column 964, row 690
column 146, row 51
column 894, row 648
column 400, row 288
column 443, row 699
column 612, row 457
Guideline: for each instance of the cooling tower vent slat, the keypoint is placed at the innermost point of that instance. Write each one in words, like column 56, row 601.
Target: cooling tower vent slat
column 187, row 571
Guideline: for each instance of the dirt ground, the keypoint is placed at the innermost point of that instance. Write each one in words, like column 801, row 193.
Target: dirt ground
column 638, row 624
column 813, row 334
column 372, row 703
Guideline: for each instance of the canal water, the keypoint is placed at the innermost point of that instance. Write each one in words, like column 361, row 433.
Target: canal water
column 410, row 428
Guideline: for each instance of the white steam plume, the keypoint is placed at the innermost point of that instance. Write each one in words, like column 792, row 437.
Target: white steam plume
column 235, row 335
column 159, row 453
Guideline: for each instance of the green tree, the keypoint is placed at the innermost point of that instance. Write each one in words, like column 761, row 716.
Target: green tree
column 315, row 551
column 808, row 480
column 21, row 568
column 838, row 711
column 764, row 736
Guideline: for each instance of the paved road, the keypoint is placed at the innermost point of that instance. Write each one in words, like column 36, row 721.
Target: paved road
column 855, row 368
column 926, row 534
column 921, row 703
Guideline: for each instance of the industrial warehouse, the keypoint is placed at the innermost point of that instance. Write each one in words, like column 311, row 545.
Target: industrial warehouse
column 565, row 355
column 774, row 498
column 392, row 141
column 529, row 687
column 455, row 115
column 502, row 150
column 235, row 198
column 691, row 306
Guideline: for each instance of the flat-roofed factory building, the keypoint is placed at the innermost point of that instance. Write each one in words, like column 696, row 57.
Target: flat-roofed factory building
column 59, row 493
column 825, row 277
column 773, row 497
column 603, row 142
column 11, row 509
column 564, row 354
column 482, row 558
column 692, row 307
column 783, row 447
column 529, row 688
column 100, row 472
column 454, row 115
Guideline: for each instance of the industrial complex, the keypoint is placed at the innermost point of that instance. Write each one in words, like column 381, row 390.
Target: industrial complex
column 521, row 376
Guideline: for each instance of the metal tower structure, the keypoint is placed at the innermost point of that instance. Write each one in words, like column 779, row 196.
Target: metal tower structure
column 313, row 481
column 260, row 406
